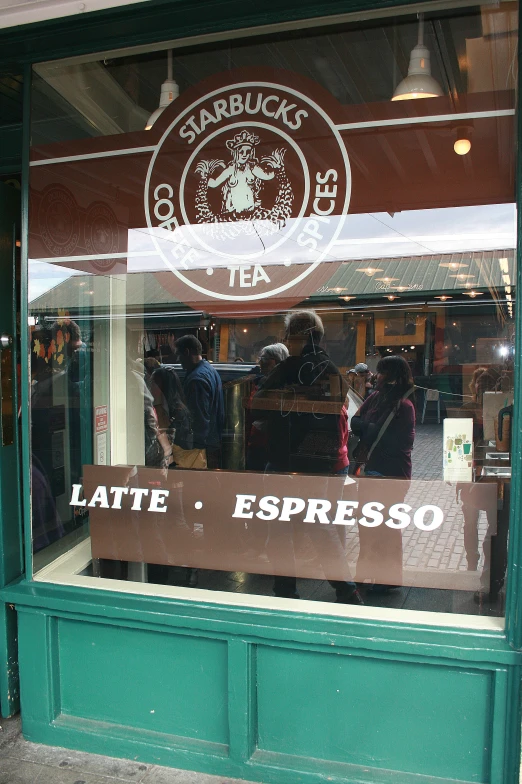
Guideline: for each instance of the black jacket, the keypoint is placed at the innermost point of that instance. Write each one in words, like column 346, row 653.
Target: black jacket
column 312, row 442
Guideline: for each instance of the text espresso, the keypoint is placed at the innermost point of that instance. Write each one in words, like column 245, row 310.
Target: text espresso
column 318, row 510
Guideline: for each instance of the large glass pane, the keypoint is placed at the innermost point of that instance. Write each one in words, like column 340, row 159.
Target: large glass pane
column 272, row 295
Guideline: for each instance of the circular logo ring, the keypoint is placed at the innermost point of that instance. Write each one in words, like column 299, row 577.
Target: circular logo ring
column 322, row 253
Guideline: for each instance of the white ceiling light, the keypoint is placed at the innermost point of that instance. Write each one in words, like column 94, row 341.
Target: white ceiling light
column 453, row 265
column 369, row 270
column 462, row 143
column 419, row 83
column 462, row 146
column 169, row 92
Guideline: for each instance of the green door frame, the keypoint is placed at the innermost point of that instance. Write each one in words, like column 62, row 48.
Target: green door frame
column 11, row 552
column 147, row 24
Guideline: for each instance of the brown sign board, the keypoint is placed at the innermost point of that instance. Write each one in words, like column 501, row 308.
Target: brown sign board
column 236, row 196
column 319, row 527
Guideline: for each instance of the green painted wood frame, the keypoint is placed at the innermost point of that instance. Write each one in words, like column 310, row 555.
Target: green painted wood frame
column 248, row 643
column 11, row 541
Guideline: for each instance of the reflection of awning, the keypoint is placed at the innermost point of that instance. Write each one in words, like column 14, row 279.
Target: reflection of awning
column 411, row 275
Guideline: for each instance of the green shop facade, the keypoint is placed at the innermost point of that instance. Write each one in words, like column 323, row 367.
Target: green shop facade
column 251, row 607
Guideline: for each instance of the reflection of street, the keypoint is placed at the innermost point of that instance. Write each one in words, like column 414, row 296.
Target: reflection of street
column 432, row 557
column 435, row 551
column 442, row 549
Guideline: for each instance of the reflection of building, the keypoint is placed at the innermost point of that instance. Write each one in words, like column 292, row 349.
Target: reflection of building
column 443, row 319
column 421, row 685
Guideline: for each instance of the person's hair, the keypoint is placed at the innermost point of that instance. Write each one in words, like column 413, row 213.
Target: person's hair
column 304, row 322
column 277, row 351
column 189, row 343
column 397, row 371
column 475, row 377
column 151, row 363
column 167, row 381
column 67, row 326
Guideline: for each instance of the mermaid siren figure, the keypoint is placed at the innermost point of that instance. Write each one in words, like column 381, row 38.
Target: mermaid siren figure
column 241, row 184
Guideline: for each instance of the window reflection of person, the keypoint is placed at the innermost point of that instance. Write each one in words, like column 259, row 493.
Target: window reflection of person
column 204, row 396
column 171, row 409
column 361, row 379
column 158, row 450
column 474, row 497
column 241, row 179
column 381, row 549
column 257, row 430
column 315, row 443
column 59, row 416
column 308, row 372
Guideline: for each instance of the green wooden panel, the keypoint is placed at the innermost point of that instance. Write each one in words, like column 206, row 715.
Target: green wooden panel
column 9, row 683
column 272, row 701
column 393, row 715
column 165, row 683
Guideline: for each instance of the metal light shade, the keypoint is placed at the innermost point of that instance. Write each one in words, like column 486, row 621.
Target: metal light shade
column 169, row 92
column 419, row 83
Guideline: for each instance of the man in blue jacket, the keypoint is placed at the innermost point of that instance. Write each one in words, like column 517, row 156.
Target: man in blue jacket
column 204, row 398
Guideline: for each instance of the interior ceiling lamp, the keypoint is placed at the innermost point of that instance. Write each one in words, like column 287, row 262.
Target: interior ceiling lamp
column 453, row 265
column 462, row 143
column 443, row 297
column 347, row 299
column 391, row 297
column 370, row 271
column 419, row 83
column 169, row 92
column 473, row 294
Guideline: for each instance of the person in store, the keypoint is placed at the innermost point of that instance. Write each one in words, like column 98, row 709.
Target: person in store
column 300, row 441
column 171, row 410
column 361, row 379
column 385, row 425
column 59, row 414
column 204, row 395
column 256, row 426
column 310, row 437
column 151, row 362
column 157, row 446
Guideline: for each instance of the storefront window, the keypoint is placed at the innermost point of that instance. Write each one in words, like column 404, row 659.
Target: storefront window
column 272, row 302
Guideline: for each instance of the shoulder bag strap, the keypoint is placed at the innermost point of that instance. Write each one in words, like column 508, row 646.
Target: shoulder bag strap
column 387, row 421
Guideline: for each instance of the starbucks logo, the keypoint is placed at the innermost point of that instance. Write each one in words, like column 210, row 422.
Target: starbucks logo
column 241, row 183
column 247, row 190
column 101, row 235
column 59, row 220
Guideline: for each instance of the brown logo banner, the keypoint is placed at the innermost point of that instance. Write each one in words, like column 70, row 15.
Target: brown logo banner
column 322, row 527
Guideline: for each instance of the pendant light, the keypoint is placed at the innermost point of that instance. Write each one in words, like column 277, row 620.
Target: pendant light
column 419, row 83
column 462, row 143
column 169, row 91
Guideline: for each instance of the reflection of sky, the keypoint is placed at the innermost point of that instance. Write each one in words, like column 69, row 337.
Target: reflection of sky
column 44, row 277
column 365, row 236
